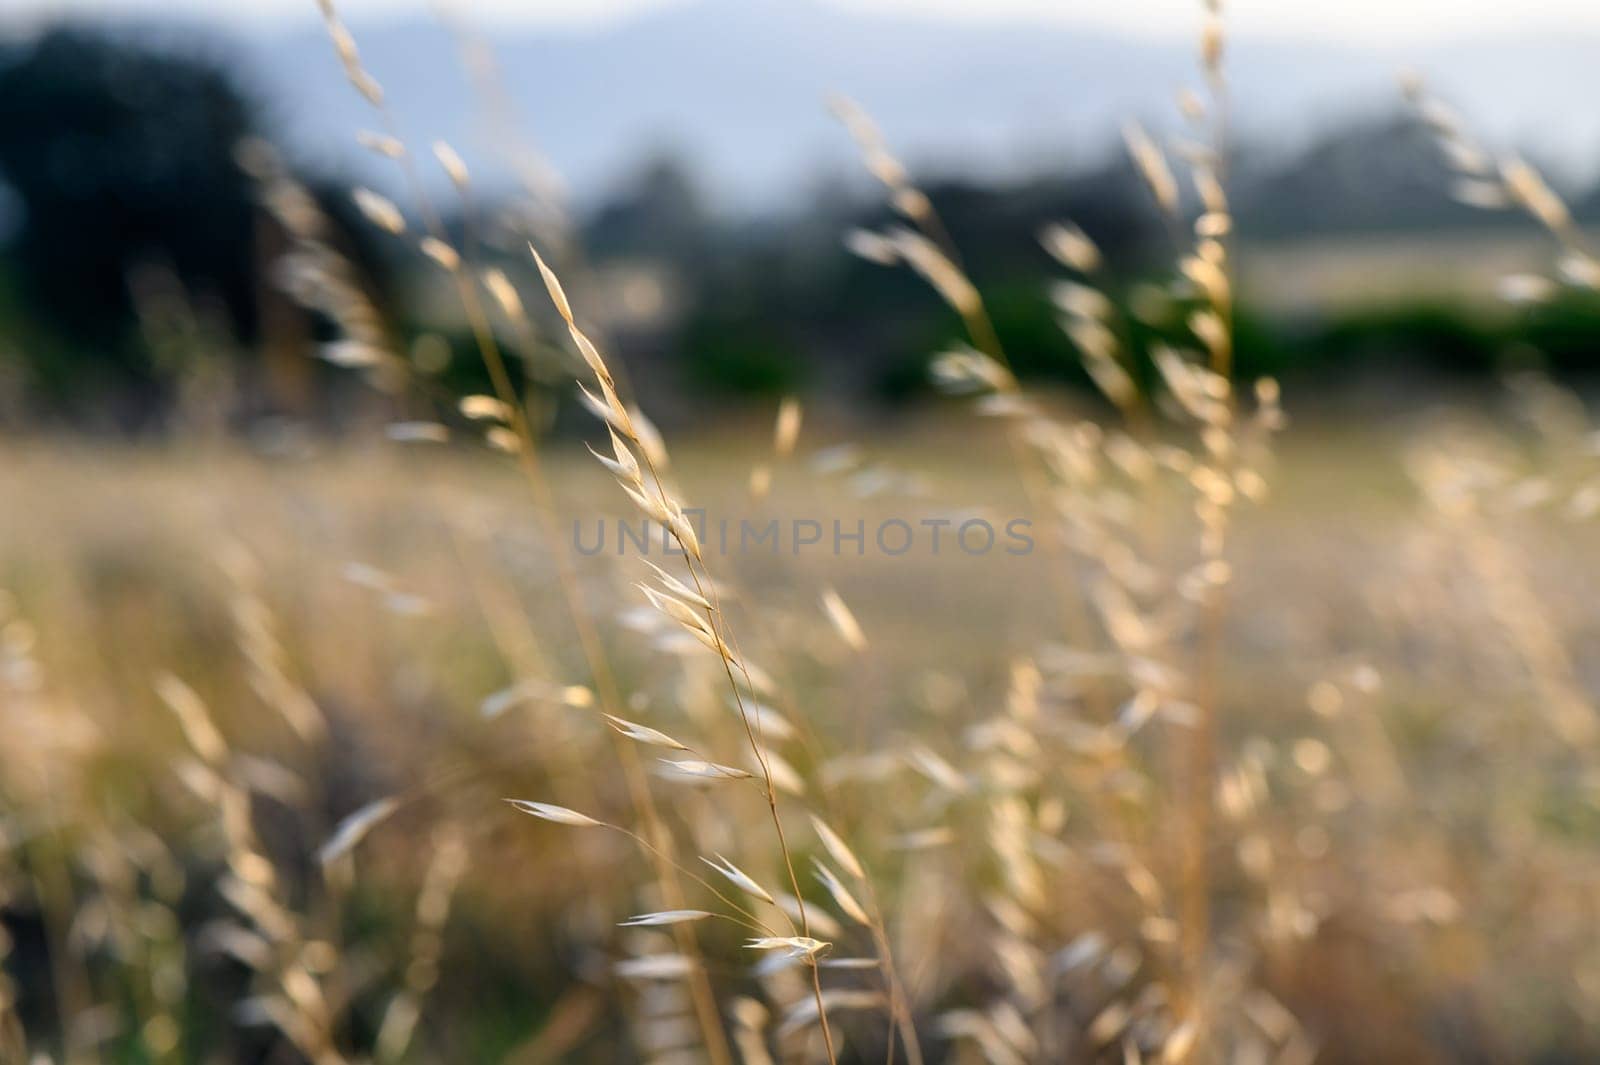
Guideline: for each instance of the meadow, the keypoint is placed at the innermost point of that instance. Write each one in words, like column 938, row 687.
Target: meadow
column 1406, row 845
column 1154, row 725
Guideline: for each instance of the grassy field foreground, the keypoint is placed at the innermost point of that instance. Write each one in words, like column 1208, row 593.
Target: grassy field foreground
column 1197, row 739
column 212, row 660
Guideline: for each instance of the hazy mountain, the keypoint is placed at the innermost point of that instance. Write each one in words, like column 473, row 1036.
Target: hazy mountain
column 738, row 86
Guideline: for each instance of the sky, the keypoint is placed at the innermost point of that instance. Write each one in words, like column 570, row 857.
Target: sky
column 1364, row 21
column 1519, row 70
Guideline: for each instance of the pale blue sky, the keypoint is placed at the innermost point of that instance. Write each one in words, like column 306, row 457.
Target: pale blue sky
column 1369, row 21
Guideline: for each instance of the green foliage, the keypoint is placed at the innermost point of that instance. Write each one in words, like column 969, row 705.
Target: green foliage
column 737, row 356
column 1023, row 320
column 1430, row 335
column 1565, row 333
column 1262, row 349
column 1038, row 349
column 1026, row 324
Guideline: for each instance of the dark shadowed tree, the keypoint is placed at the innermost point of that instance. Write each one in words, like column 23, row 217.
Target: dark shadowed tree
column 120, row 156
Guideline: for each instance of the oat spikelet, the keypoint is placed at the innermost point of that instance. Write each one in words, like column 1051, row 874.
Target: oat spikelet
column 786, row 430
column 502, row 439
column 559, row 814
column 484, row 408
column 677, row 589
column 760, row 481
column 351, row 354
column 836, row 846
column 841, row 895
column 873, row 247
column 440, row 252
column 644, row 733
column 451, row 163
column 1071, row 247
column 193, row 719
column 1529, row 189
column 379, row 210
column 1152, row 166
column 648, row 438
column 558, row 295
column 739, row 877
column 664, row 917
column 843, row 621
column 695, row 770
column 792, row 946
column 504, row 293
column 381, row 144
column 935, row 267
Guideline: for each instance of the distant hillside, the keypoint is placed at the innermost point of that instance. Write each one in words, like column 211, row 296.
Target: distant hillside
column 738, row 86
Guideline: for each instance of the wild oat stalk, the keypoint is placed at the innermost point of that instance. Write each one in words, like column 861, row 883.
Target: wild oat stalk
column 699, row 612
column 522, row 441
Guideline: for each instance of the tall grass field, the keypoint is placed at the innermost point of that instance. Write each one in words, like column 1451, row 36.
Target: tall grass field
column 1147, row 724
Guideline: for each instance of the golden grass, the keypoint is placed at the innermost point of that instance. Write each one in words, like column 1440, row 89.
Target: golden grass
column 1257, row 754
column 1382, row 660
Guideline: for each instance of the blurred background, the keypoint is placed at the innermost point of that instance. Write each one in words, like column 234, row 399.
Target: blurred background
column 689, row 151
column 267, row 670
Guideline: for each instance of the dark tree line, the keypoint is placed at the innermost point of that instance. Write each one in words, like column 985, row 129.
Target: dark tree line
column 118, row 154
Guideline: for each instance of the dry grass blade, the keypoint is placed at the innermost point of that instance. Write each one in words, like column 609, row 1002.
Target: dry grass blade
column 451, row 163
column 648, row 437
column 193, row 718
column 841, row 895
column 696, row 771
column 381, row 144
column 484, row 408
column 1153, row 167
column 786, row 430
column 739, row 877
column 843, row 621
column 677, row 589
column 504, row 293
column 552, row 284
column 354, row 828
column 1071, row 247
column 352, row 354
column 644, row 734
column 380, row 211
column 838, row 848
column 441, row 253
column 791, row 946
column 559, row 814
column 665, row 917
